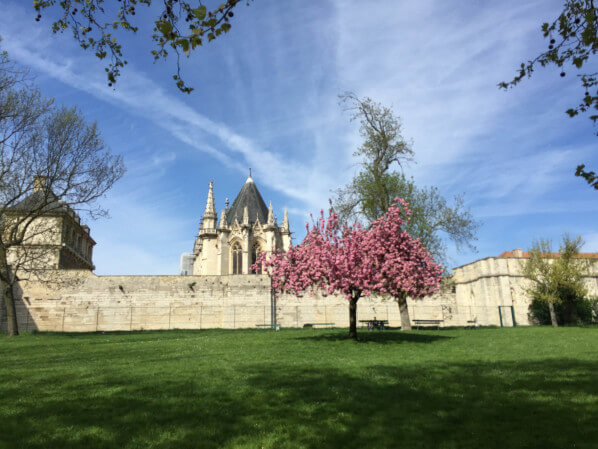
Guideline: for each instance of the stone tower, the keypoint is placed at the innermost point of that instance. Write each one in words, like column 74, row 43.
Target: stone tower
column 248, row 227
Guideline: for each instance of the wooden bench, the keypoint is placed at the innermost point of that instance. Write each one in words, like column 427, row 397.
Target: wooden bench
column 268, row 326
column 322, row 324
column 374, row 324
column 313, row 325
column 420, row 323
column 472, row 323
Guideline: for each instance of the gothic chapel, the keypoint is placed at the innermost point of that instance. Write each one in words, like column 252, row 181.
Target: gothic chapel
column 231, row 245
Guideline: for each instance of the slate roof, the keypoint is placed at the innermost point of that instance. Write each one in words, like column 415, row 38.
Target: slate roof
column 248, row 196
column 37, row 199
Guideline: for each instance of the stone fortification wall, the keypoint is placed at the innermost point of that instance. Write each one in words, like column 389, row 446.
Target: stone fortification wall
column 84, row 302
column 484, row 285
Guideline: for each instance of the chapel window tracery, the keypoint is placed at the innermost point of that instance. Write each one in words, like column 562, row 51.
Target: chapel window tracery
column 237, row 253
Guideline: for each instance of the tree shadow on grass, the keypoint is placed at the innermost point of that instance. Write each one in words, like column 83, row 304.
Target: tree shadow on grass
column 382, row 337
column 523, row 404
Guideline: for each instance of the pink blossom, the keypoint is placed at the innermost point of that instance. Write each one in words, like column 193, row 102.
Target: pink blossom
column 356, row 261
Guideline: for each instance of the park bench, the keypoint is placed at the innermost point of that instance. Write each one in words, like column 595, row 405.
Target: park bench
column 472, row 323
column 314, row 325
column 432, row 323
column 322, row 324
column 374, row 324
column 268, row 326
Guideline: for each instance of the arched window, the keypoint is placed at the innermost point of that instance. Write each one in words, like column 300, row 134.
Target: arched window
column 237, row 253
column 255, row 252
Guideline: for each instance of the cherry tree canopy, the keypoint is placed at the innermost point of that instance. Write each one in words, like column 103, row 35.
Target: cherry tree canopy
column 355, row 261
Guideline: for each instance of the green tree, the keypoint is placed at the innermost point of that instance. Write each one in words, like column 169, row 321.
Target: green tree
column 370, row 193
column 180, row 27
column 572, row 40
column 41, row 141
column 557, row 278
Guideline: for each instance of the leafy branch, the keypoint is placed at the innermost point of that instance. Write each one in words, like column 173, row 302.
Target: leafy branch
column 180, row 28
column 572, row 38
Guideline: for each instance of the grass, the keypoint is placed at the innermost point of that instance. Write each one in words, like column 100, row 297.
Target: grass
column 482, row 388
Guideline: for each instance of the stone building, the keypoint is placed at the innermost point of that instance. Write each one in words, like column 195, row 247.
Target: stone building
column 54, row 236
column 232, row 244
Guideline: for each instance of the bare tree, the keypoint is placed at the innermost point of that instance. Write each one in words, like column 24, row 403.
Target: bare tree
column 383, row 146
column 52, row 164
column 372, row 190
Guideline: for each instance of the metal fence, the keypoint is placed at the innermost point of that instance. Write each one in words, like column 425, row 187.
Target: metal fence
column 129, row 318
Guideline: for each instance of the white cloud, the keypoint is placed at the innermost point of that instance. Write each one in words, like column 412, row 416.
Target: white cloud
column 169, row 112
column 437, row 63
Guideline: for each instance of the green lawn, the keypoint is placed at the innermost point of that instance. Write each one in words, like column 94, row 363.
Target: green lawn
column 476, row 388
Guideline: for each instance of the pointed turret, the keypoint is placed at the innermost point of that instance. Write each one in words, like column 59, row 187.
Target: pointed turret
column 223, row 223
column 209, row 216
column 270, row 215
column 285, row 221
column 285, row 231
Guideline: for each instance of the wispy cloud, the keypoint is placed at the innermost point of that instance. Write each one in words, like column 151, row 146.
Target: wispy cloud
column 169, row 112
column 271, row 104
column 438, row 64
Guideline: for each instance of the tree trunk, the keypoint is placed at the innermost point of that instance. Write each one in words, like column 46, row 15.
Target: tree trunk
column 353, row 314
column 11, row 313
column 404, row 311
column 8, row 293
column 552, row 315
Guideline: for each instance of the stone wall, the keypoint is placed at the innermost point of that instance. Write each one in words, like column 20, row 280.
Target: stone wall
column 86, row 302
column 83, row 302
column 483, row 286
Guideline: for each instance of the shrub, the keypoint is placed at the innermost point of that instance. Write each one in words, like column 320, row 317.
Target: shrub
column 570, row 311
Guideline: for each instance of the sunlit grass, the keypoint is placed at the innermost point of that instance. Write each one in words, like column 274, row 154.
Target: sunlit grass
column 473, row 388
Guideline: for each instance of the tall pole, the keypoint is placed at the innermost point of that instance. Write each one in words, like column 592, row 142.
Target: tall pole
column 272, row 307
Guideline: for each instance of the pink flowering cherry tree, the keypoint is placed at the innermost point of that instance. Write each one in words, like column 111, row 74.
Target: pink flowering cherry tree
column 356, row 262
column 329, row 260
column 403, row 267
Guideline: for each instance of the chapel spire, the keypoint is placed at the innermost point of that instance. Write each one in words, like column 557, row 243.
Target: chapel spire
column 285, row 221
column 222, row 224
column 210, row 216
column 270, row 215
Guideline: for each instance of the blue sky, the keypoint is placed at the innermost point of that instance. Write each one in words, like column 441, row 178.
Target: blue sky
column 266, row 98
